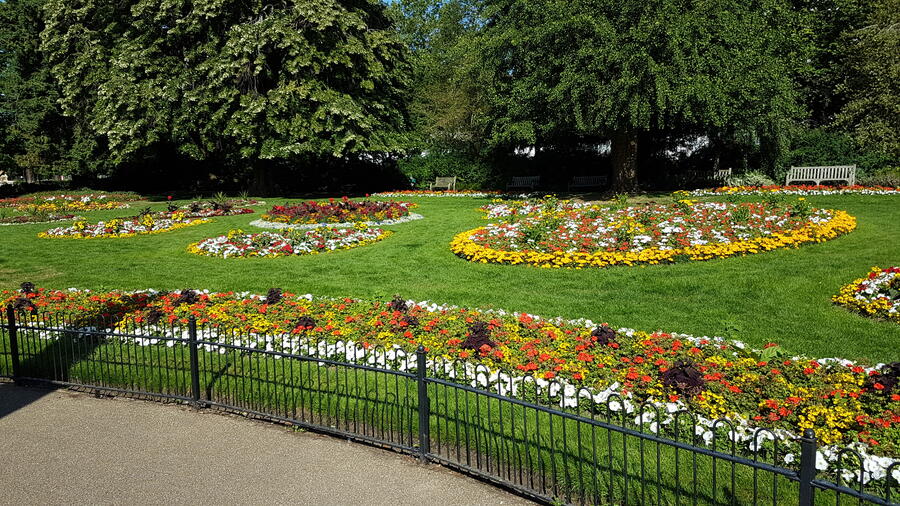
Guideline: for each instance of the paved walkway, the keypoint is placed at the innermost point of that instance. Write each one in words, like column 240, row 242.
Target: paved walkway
column 62, row 447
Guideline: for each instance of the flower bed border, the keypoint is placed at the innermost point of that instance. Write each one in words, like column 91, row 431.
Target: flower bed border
column 435, row 194
column 840, row 223
column 274, row 225
column 68, row 218
column 175, row 226
column 194, row 248
column 845, row 297
column 558, row 390
column 795, row 190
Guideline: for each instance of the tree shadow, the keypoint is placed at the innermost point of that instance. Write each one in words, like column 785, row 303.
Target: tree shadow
column 46, row 364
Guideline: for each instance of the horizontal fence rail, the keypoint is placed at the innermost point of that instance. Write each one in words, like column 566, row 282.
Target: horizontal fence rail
column 545, row 442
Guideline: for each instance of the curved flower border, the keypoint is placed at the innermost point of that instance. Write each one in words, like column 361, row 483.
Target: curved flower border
column 56, row 220
column 278, row 226
column 868, row 296
column 172, row 321
column 221, row 246
column 169, row 228
column 839, row 224
column 428, row 193
column 795, row 190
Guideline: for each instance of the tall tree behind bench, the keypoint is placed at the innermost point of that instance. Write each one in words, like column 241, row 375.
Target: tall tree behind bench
column 617, row 68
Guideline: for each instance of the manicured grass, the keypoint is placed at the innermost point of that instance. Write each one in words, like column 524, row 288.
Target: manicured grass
column 781, row 296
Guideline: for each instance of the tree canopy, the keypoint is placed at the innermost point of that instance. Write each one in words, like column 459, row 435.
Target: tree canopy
column 655, row 89
column 218, row 79
column 614, row 68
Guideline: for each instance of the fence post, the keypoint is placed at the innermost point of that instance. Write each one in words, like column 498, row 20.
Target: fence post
column 807, row 466
column 13, row 341
column 195, row 367
column 424, row 405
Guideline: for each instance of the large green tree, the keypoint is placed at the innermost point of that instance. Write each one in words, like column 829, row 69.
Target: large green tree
column 617, row 68
column 448, row 107
column 872, row 113
column 230, row 80
column 35, row 135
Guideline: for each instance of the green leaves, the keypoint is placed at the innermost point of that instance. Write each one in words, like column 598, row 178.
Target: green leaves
column 222, row 79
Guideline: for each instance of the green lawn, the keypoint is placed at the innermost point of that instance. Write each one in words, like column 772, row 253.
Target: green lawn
column 781, row 296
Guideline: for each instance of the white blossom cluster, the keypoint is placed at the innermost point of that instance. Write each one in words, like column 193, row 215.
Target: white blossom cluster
column 875, row 288
column 269, row 244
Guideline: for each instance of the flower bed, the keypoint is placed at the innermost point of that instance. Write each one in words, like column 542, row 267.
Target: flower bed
column 566, row 234
column 338, row 211
column 796, row 190
column 310, row 226
column 66, row 202
column 30, row 219
column 844, row 402
column 237, row 244
column 439, row 193
column 119, row 228
column 876, row 295
column 211, row 209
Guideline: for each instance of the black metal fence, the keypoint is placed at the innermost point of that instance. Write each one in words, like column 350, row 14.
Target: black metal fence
column 543, row 440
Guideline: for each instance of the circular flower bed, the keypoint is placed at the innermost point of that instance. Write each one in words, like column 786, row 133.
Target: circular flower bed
column 795, row 190
column 30, row 219
column 237, row 244
column 876, row 295
column 338, row 211
column 565, row 234
column 65, row 202
column 567, row 361
column 129, row 227
column 439, row 193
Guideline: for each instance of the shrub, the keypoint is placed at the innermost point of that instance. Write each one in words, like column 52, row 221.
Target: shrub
column 885, row 177
column 471, row 173
column 752, row 178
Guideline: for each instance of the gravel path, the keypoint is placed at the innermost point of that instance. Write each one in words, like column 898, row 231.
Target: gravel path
column 63, row 447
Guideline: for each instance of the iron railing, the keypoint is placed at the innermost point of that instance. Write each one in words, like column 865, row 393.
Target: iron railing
column 547, row 443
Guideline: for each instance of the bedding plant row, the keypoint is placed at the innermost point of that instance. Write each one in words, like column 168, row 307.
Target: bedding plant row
column 238, row 244
column 55, row 203
column 341, row 210
column 792, row 190
column 876, row 295
column 143, row 224
column 846, row 403
column 552, row 233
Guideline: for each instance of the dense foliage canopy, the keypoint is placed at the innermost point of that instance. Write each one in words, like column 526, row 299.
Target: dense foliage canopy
column 644, row 91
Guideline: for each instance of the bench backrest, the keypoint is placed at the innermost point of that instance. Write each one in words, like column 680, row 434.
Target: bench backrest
column 721, row 175
column 445, row 181
column 588, row 180
column 823, row 173
column 525, row 180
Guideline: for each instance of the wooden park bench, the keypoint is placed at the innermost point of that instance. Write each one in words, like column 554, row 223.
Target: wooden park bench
column 721, row 176
column 587, row 182
column 818, row 175
column 705, row 176
column 443, row 183
column 524, row 182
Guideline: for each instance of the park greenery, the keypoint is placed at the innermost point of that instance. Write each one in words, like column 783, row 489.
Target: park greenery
column 300, row 95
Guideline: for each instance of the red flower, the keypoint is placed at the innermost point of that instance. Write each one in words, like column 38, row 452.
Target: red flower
column 549, row 375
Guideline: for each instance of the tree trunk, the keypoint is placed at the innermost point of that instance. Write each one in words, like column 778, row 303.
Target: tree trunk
column 624, row 161
column 261, row 182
